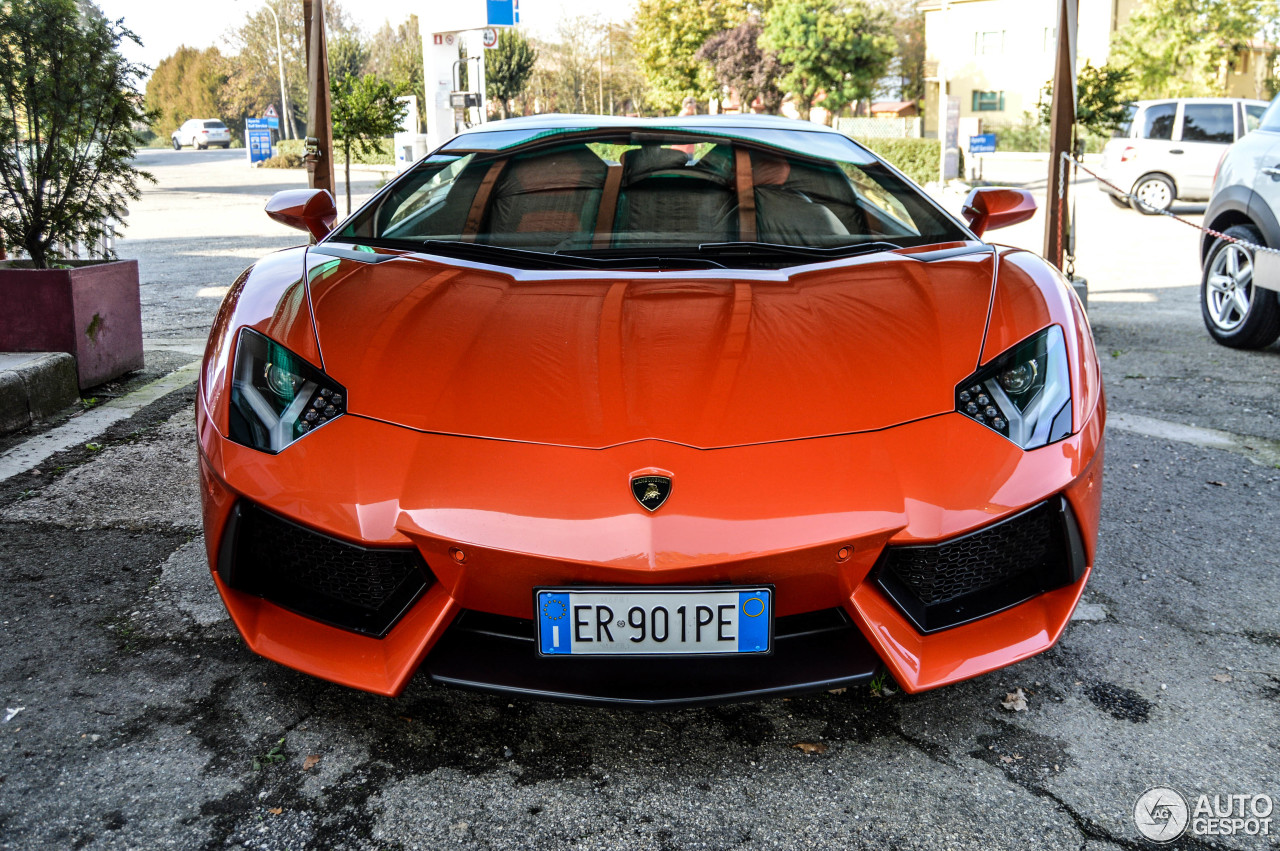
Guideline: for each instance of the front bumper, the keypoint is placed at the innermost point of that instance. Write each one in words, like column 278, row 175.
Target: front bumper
column 493, row 519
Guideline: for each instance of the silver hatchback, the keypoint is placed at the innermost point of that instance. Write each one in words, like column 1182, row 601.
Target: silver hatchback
column 1168, row 149
column 1238, row 311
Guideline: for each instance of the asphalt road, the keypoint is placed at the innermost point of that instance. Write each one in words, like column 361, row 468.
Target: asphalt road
column 134, row 717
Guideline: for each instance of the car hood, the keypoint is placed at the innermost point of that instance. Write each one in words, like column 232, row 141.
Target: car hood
column 705, row 359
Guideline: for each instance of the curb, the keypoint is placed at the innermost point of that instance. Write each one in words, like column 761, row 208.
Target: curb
column 35, row 386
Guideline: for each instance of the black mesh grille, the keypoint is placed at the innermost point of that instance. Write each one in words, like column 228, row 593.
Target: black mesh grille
column 943, row 585
column 358, row 588
column 943, row 573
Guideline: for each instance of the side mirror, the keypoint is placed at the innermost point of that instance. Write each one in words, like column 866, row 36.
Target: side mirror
column 990, row 207
column 312, row 210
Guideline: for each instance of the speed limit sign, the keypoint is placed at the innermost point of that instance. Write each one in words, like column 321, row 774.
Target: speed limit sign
column 491, row 37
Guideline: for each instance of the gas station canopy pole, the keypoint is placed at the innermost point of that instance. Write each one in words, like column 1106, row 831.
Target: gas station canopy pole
column 319, row 116
column 1060, row 133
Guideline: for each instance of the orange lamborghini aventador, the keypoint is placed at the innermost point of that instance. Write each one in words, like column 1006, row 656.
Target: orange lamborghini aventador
column 650, row 412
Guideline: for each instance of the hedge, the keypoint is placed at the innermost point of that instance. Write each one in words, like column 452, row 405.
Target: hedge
column 385, row 153
column 916, row 158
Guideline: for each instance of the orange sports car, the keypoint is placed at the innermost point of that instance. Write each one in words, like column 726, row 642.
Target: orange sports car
column 650, row 412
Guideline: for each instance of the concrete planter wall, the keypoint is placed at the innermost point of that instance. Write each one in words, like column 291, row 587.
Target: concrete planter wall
column 94, row 312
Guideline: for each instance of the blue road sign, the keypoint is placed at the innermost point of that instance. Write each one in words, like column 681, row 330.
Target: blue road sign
column 257, row 142
column 503, row 13
column 984, row 144
column 258, row 124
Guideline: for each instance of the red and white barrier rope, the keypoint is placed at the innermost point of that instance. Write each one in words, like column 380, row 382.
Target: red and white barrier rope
column 1128, row 195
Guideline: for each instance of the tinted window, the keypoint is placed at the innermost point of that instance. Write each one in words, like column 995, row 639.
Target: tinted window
column 1157, row 122
column 1123, row 128
column 1252, row 117
column 1208, row 122
column 215, row 125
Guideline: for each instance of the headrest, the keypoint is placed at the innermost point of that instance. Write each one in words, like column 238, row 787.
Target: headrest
column 575, row 167
column 639, row 163
column 769, row 171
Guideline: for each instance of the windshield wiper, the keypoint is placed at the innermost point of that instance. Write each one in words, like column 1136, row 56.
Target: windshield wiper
column 770, row 249
column 526, row 259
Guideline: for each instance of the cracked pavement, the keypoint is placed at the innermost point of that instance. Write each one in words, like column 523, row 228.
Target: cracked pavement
column 145, row 723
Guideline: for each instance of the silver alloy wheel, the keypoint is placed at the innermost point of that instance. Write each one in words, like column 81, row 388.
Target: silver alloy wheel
column 1154, row 193
column 1230, row 288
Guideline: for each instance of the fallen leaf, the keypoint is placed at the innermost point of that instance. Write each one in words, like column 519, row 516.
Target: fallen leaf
column 1223, row 678
column 310, row 762
column 406, row 719
column 811, row 747
column 1006, row 759
column 11, row 711
column 836, row 690
column 275, row 811
column 1015, row 701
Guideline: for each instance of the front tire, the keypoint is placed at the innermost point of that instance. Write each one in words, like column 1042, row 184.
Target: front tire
column 1237, row 313
column 1153, row 194
column 1122, row 203
column 177, row 146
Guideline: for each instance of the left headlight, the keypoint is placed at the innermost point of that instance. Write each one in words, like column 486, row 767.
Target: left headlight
column 1025, row 393
column 276, row 396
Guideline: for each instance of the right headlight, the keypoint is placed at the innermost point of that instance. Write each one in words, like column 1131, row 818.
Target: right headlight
column 1025, row 393
column 276, row 396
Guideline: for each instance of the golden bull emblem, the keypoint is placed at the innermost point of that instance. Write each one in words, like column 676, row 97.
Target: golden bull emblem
column 651, row 491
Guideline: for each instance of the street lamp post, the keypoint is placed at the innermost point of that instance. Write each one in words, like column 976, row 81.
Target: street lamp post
column 285, row 115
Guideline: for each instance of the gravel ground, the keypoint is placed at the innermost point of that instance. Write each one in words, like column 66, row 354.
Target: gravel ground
column 134, row 717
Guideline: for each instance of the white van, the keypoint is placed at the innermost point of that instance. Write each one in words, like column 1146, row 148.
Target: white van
column 1168, row 149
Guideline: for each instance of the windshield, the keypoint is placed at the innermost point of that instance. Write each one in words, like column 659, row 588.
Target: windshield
column 215, row 125
column 645, row 193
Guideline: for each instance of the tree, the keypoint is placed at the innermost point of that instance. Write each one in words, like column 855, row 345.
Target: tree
column 507, row 68
column 907, row 66
column 365, row 110
column 1179, row 48
column 1100, row 100
column 668, row 36
column 253, row 81
column 187, row 84
column 738, row 63
column 591, row 66
column 68, row 109
column 840, row 49
column 396, row 55
column 347, row 54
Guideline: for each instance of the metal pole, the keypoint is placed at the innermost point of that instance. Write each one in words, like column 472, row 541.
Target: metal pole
column 1060, row 131
column 284, row 92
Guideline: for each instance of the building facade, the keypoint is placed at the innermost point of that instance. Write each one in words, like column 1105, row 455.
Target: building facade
column 997, row 55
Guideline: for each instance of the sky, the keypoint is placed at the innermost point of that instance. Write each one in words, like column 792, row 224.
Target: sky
column 164, row 26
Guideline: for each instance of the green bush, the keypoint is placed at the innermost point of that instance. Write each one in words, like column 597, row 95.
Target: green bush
column 916, row 158
column 1028, row 134
column 385, row 154
column 285, row 159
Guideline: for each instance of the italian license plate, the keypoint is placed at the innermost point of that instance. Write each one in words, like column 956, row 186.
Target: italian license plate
column 654, row 621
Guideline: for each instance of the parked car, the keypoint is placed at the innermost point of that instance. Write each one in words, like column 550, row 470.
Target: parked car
column 200, row 133
column 1168, row 149
column 1246, row 206
column 650, row 412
